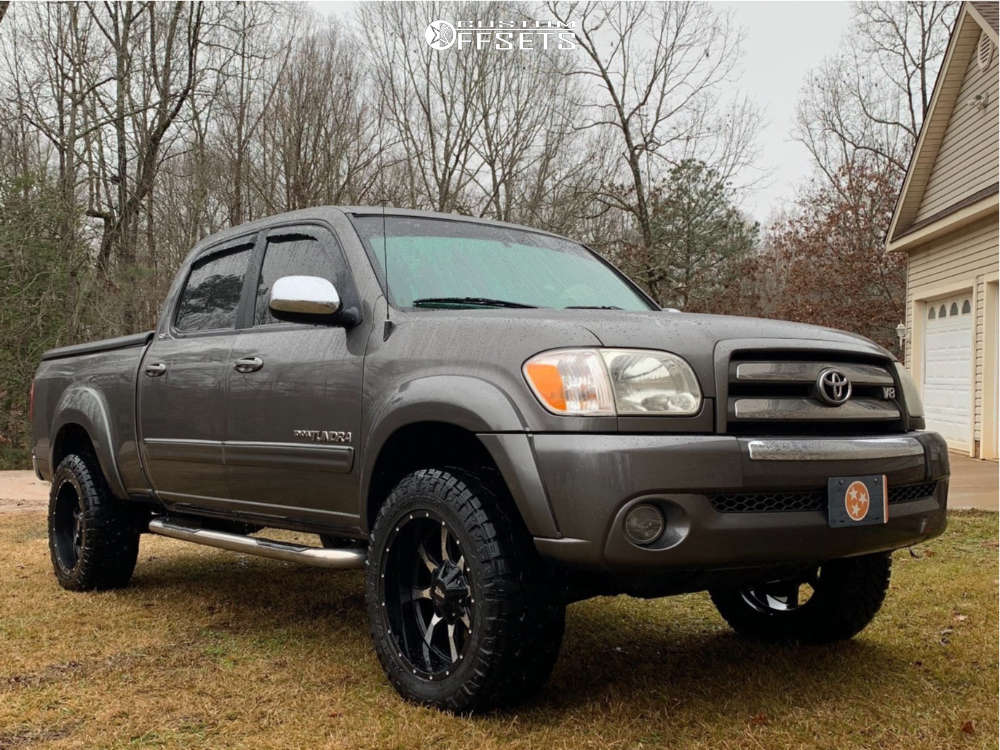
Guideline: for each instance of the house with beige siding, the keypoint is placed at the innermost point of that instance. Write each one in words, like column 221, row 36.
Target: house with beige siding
column 946, row 221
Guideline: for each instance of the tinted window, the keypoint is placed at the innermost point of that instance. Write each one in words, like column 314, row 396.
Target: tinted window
column 437, row 263
column 292, row 255
column 212, row 292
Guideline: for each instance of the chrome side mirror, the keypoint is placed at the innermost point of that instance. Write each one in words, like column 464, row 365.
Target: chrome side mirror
column 304, row 295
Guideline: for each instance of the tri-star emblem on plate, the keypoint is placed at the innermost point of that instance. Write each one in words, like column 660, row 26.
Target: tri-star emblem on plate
column 857, row 501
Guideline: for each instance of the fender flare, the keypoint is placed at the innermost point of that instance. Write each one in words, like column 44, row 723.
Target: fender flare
column 84, row 405
column 479, row 407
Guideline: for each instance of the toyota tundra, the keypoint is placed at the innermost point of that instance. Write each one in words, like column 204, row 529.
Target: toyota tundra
column 493, row 422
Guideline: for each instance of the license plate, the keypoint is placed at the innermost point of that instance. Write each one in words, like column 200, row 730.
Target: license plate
column 857, row 501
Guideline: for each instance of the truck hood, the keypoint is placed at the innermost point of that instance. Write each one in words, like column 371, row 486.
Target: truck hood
column 663, row 329
column 697, row 337
column 643, row 329
column 519, row 333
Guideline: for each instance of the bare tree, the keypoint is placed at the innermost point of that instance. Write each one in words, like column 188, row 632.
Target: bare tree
column 432, row 98
column 524, row 120
column 50, row 65
column 255, row 44
column 319, row 142
column 656, row 74
column 153, row 62
column 866, row 104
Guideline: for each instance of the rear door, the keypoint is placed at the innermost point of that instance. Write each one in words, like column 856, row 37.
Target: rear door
column 294, row 394
column 182, row 380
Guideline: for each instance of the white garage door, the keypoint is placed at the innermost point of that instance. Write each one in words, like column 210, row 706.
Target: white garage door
column 948, row 369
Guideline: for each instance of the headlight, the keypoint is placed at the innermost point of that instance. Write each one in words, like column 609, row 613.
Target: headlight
column 911, row 396
column 571, row 381
column 649, row 382
column 591, row 382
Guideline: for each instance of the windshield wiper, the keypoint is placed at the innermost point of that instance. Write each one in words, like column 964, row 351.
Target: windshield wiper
column 592, row 307
column 471, row 301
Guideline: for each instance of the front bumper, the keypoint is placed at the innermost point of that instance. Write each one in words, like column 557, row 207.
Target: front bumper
column 592, row 480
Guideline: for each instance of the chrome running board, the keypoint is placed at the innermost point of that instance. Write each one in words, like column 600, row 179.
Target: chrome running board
column 341, row 559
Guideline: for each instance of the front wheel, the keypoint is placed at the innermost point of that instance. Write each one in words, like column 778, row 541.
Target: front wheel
column 460, row 613
column 834, row 602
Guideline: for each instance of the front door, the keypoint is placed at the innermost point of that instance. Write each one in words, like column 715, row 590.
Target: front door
column 182, row 380
column 294, row 406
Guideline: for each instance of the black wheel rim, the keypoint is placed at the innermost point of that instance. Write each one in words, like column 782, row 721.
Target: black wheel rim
column 781, row 597
column 68, row 525
column 428, row 595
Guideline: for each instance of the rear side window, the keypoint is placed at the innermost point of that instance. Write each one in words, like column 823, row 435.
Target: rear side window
column 212, row 292
column 294, row 255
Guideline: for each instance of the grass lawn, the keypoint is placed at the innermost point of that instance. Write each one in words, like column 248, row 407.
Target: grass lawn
column 212, row 649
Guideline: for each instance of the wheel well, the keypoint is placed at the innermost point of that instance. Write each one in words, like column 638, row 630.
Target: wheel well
column 425, row 445
column 71, row 438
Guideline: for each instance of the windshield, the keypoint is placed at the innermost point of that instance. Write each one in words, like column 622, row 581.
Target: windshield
column 438, row 263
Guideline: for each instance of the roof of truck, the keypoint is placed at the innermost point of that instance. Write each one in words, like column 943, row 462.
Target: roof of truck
column 390, row 211
column 324, row 211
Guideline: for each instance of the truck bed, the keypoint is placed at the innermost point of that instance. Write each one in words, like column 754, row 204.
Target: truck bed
column 102, row 345
column 93, row 385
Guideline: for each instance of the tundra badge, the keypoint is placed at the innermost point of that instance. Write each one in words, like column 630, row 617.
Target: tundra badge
column 323, row 436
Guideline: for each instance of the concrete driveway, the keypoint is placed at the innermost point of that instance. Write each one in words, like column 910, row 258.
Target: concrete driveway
column 973, row 485
column 19, row 490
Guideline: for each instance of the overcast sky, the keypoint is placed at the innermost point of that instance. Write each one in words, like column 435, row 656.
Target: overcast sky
column 783, row 41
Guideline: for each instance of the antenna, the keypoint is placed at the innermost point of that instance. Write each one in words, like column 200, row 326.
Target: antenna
column 385, row 261
column 387, row 328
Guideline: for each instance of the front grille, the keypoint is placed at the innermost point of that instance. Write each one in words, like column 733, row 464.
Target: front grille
column 792, row 502
column 769, row 502
column 776, row 393
column 909, row 493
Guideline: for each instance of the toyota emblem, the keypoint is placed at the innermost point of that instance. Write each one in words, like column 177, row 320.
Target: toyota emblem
column 833, row 386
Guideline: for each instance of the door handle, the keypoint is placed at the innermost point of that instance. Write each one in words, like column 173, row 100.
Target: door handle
column 248, row 364
column 155, row 369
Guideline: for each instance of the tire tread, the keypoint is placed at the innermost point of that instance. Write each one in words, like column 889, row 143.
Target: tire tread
column 851, row 594
column 111, row 541
column 525, row 630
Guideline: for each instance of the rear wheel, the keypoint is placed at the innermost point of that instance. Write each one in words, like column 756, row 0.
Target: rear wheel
column 833, row 602
column 461, row 615
column 93, row 541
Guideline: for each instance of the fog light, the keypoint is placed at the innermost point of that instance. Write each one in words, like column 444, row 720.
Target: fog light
column 644, row 524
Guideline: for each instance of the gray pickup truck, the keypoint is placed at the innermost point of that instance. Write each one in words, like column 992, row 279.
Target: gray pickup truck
column 493, row 422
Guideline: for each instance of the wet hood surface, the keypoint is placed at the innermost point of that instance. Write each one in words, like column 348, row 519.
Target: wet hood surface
column 616, row 328
column 502, row 339
column 654, row 329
